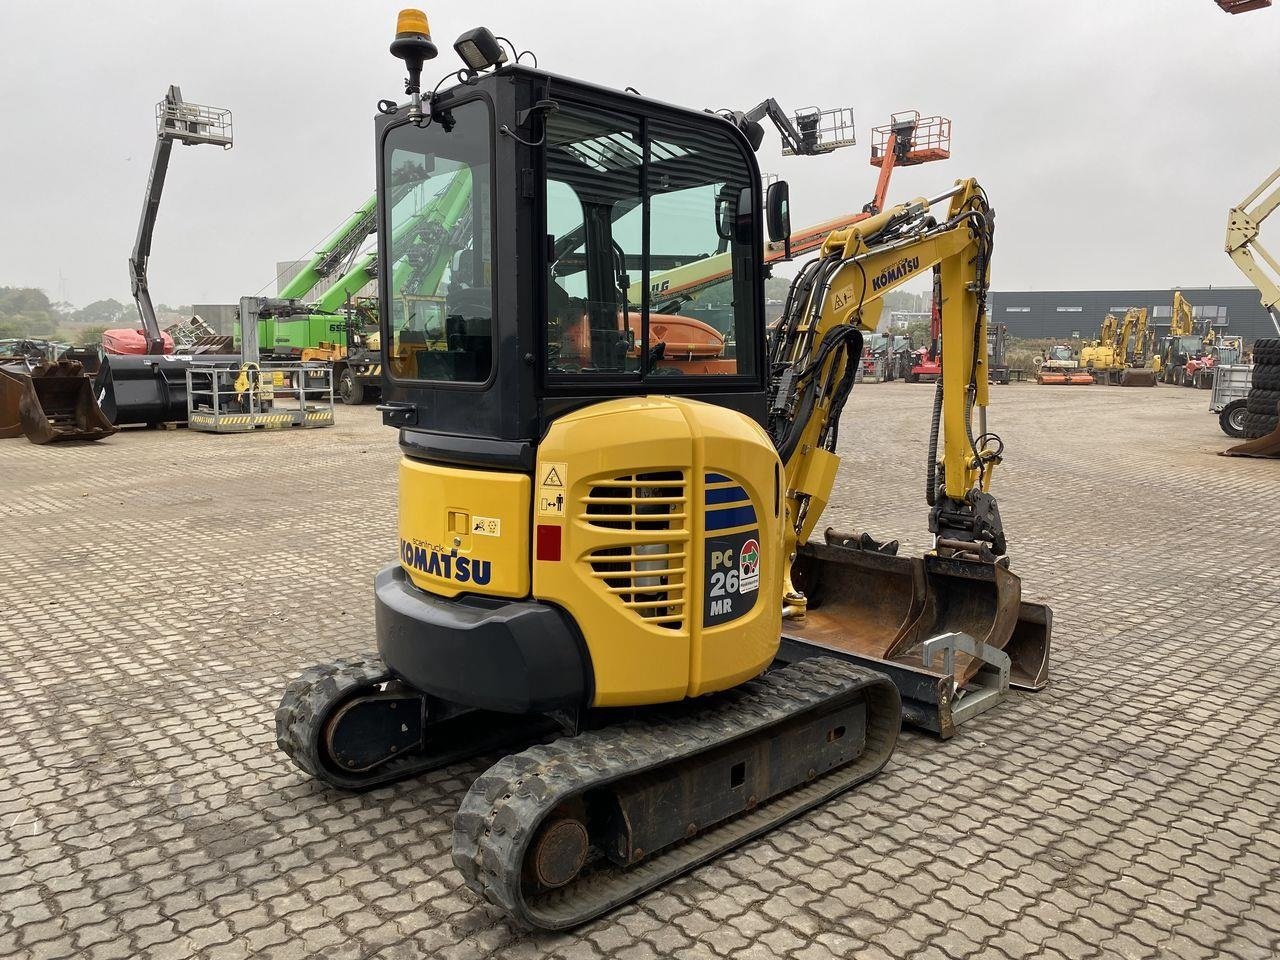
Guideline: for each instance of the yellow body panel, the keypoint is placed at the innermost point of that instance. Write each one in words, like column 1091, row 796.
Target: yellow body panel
column 464, row 531
column 638, row 537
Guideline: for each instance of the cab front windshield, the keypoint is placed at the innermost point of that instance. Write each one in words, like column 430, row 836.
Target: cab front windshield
column 438, row 259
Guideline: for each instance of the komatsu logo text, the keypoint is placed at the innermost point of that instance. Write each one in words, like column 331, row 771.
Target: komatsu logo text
column 903, row 268
column 447, row 566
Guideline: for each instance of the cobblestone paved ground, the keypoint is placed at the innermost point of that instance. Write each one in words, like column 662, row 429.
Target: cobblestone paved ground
column 160, row 588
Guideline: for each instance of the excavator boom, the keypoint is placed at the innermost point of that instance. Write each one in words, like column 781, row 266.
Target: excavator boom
column 1243, row 224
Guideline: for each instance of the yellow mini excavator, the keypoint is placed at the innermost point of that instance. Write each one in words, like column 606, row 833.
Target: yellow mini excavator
column 605, row 552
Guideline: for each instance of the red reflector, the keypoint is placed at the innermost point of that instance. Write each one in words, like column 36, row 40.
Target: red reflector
column 548, row 544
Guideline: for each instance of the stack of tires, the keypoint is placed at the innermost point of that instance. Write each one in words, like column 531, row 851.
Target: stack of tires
column 1264, row 396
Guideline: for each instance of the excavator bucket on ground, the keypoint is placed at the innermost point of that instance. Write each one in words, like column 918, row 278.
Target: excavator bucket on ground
column 50, row 401
column 953, row 634
column 1138, row 377
column 143, row 389
column 1267, row 446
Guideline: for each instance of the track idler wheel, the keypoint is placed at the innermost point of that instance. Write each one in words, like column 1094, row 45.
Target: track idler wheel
column 338, row 723
column 353, row 724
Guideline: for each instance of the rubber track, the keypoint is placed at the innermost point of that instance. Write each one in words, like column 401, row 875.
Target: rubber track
column 309, row 700
column 502, row 811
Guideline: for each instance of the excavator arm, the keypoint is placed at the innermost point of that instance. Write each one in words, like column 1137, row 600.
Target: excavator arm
column 1121, row 340
column 1243, row 224
column 814, row 350
column 1107, row 332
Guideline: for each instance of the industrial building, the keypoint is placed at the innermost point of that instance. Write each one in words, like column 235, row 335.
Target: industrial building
column 1077, row 314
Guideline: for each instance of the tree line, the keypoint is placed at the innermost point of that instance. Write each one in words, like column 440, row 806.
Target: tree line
column 28, row 313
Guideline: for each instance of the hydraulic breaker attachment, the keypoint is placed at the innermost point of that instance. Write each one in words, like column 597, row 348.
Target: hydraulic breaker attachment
column 953, row 634
column 143, row 389
column 50, row 401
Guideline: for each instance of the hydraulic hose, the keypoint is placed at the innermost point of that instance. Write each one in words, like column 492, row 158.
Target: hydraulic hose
column 931, row 465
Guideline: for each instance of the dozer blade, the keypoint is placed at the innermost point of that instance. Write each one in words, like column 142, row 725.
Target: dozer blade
column 1138, row 377
column 51, row 401
column 952, row 634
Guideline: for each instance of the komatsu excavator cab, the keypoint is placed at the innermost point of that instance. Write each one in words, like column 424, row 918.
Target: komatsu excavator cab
column 570, row 207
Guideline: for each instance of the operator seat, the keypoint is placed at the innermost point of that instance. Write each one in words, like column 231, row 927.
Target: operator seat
column 468, row 334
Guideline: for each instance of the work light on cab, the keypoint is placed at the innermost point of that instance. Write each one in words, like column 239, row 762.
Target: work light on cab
column 480, row 49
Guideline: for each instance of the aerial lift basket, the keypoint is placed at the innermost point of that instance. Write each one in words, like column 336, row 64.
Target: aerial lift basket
column 953, row 634
column 926, row 138
column 822, row 131
column 50, row 401
column 192, row 123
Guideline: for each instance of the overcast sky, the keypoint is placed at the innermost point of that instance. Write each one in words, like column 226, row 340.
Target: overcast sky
column 1111, row 135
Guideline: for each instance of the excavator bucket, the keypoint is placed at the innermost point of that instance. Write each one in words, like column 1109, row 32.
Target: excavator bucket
column 953, row 634
column 1138, row 377
column 12, row 377
column 48, row 402
column 1267, row 445
column 143, row 389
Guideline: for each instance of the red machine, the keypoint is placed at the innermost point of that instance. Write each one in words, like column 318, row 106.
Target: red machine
column 123, row 341
column 1198, row 371
column 926, row 363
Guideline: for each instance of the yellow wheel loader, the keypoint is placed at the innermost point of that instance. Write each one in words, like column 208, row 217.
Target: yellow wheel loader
column 604, row 551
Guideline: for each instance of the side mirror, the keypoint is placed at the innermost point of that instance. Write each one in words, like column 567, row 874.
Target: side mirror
column 778, row 213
